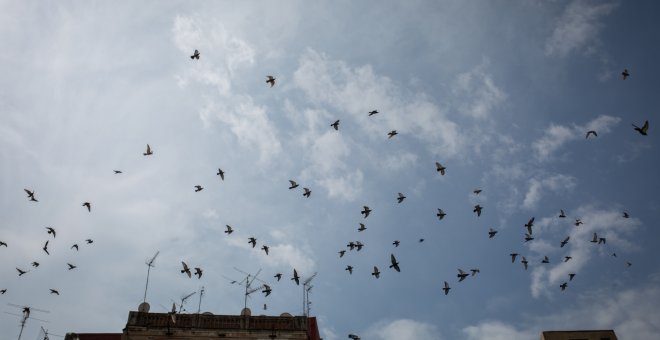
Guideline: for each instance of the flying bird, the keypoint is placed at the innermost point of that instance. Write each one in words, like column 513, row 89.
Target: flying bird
column 562, row 215
column 365, row 211
column 513, row 257
column 439, row 168
column 198, row 188
column 335, row 125
column 30, row 195
column 88, row 205
column 376, row 273
column 625, row 74
column 293, row 184
column 75, row 246
column 253, row 241
column 441, row 214
column 229, row 230
column 628, row 264
column 362, row 227
column 571, row 276
column 307, row 192
column 477, row 209
column 373, row 113
column 117, row 172
column 563, row 286
column 53, row 291
column 3, row 244
column 595, row 239
column 186, row 269
column 524, row 262
column 643, row 129
column 195, row 55
column 392, row 134
column 578, row 222
column 545, row 260
column 71, row 266
column 89, row 241
column 270, row 80
column 278, row 276
column 491, row 232
column 591, row 132
column 198, row 272
column 446, row 288
column 359, row 245
column 221, row 174
column 529, row 225
column 563, row 243
column 341, row 253
column 400, row 198
column 394, row 264
column 45, row 248
column 528, row 237
column 396, row 243
column 50, row 230
column 566, row 258
column 349, row 269
column 3, row 291
column 602, row 240
column 265, row 248
column 461, row 275
column 421, row 240
column 35, row 264
column 20, row 271
column 149, row 152
column 477, row 191
column 625, row 215
column 475, row 271
column 266, row 290
column 351, row 245
column 296, row 277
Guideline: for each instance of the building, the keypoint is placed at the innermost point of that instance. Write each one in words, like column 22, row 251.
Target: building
column 579, row 335
column 206, row 326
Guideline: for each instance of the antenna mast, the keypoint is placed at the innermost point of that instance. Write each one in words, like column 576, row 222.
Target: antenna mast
column 248, row 284
column 199, row 307
column 150, row 264
column 183, row 300
column 26, row 316
column 306, row 288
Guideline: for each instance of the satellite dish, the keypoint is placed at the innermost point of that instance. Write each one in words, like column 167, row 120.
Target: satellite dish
column 246, row 312
column 207, row 313
column 143, row 307
column 286, row 315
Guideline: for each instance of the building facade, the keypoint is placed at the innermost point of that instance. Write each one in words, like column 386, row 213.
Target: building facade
column 579, row 335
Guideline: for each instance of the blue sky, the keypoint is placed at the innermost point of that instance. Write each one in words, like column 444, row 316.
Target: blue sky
column 502, row 93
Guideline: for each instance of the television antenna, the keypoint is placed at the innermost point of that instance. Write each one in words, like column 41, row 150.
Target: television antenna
column 183, row 301
column 247, row 283
column 306, row 288
column 43, row 334
column 149, row 263
column 26, row 310
column 201, row 294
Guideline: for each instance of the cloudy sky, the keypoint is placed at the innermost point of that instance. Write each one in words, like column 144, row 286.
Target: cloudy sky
column 501, row 93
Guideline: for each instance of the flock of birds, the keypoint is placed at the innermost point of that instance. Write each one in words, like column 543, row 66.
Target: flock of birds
column 394, row 264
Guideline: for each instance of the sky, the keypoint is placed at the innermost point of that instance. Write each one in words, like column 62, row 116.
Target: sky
column 501, row 93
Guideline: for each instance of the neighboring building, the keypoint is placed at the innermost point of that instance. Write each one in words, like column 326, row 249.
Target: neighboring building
column 579, row 335
column 206, row 326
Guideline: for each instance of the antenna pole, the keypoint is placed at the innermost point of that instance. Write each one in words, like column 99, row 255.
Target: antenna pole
column 199, row 307
column 150, row 264
column 247, row 285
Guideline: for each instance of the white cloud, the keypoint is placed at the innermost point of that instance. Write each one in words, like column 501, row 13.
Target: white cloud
column 476, row 93
column 578, row 27
column 556, row 136
column 403, row 329
column 495, row 330
column 555, row 183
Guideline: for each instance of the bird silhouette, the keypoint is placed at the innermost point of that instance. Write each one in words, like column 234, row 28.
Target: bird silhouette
column 307, row 192
column 349, row 269
column 529, row 225
column 198, row 272
column 475, row 271
column 293, row 184
column 71, row 266
column 625, row 215
column 394, row 264
column 253, row 241
column 421, row 240
column 578, row 222
column 20, row 271
column 362, row 227
column 341, row 253
column 278, row 276
column 376, row 273
column 30, row 195
column 563, row 243
column 371, row 113
column 594, row 239
column 439, row 168
column 198, row 188
column 477, row 191
column 625, row 74
column 358, row 245
column 45, row 248
column 186, row 269
column 567, row 258
column 266, row 290
column 396, row 243
column 400, row 198
column 3, row 244
column 591, row 132
column 265, row 248
column 628, row 263
column 35, row 264
column 229, row 229
column 74, row 246
column 528, row 237
column 89, row 241
column 562, row 215
column 545, row 260
column 88, row 205
column 117, row 172
column 524, row 262
column 446, row 288
column 461, row 275
column 335, row 125
column 296, row 277
column 270, row 80
column 513, row 257
column 571, row 276
column 3, row 291
column 148, row 152
column 643, row 130
column 365, row 211
column 195, row 55
column 491, row 232
column 441, row 214
column 50, row 230
column 351, row 245
column 602, row 240
column 563, row 286
column 392, row 134
column 477, row 209
column 221, row 174
column 53, row 291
